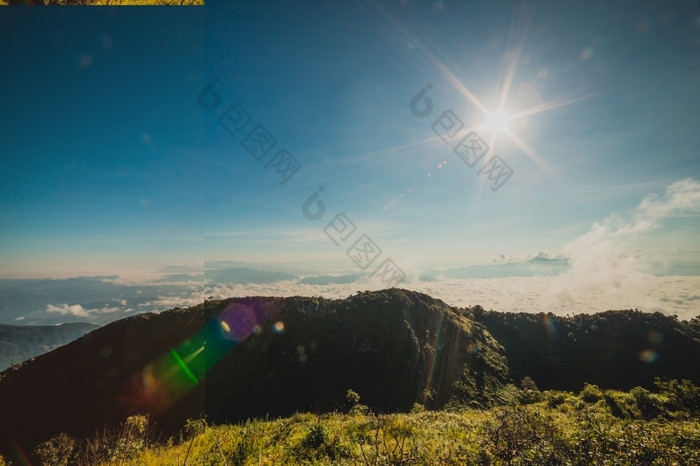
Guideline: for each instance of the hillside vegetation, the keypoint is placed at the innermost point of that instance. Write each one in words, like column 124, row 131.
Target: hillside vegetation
column 102, row 2
column 551, row 427
column 620, row 349
column 246, row 358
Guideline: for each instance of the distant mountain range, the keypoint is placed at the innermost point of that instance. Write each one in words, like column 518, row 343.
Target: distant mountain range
column 103, row 299
column 250, row 357
column 19, row 343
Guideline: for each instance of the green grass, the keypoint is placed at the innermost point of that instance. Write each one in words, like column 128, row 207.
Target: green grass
column 560, row 429
column 532, row 434
column 550, row 427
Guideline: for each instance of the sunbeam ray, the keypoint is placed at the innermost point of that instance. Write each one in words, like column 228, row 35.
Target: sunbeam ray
column 543, row 107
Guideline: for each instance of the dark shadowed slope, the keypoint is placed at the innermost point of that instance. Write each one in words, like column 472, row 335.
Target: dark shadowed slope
column 613, row 349
column 247, row 357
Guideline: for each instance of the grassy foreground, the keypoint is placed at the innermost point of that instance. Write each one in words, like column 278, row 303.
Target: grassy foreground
column 551, row 427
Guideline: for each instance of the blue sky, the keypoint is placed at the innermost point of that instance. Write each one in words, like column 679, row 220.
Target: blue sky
column 332, row 84
column 109, row 165
column 96, row 146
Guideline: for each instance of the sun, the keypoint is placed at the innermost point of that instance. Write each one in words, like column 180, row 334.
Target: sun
column 496, row 123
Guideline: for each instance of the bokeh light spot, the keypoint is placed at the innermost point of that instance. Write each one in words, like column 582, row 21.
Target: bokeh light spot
column 550, row 325
column 586, row 53
column 649, row 356
column 655, row 337
column 237, row 322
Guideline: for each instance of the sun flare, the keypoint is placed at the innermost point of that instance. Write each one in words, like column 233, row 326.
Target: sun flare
column 496, row 123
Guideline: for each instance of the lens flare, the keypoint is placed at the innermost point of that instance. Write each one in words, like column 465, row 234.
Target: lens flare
column 183, row 366
column 649, row 356
column 167, row 379
column 550, row 325
column 237, row 322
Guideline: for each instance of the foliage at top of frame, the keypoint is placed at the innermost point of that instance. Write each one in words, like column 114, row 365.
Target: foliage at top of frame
column 102, row 2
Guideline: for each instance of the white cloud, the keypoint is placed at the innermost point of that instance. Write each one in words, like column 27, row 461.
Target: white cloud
column 670, row 294
column 65, row 309
column 681, row 198
column 602, row 263
column 169, row 302
column 105, row 310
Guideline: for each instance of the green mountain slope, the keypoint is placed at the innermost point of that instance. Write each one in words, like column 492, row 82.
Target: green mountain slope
column 249, row 357
column 615, row 349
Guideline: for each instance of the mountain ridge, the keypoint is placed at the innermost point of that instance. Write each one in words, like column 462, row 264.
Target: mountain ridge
column 249, row 357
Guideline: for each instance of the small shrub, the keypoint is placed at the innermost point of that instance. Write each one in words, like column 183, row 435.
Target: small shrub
column 527, row 397
column 621, row 405
column 195, row 427
column 244, row 445
column 516, row 432
column 554, row 398
column 354, row 405
column 389, row 440
column 528, row 384
column 319, row 445
column 352, row 398
column 417, row 408
column 57, row 451
column 591, row 393
column 316, row 436
column 116, row 445
column 682, row 394
column 647, row 403
column 133, row 437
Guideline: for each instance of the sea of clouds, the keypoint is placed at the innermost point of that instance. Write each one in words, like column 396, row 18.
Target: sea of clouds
column 597, row 271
